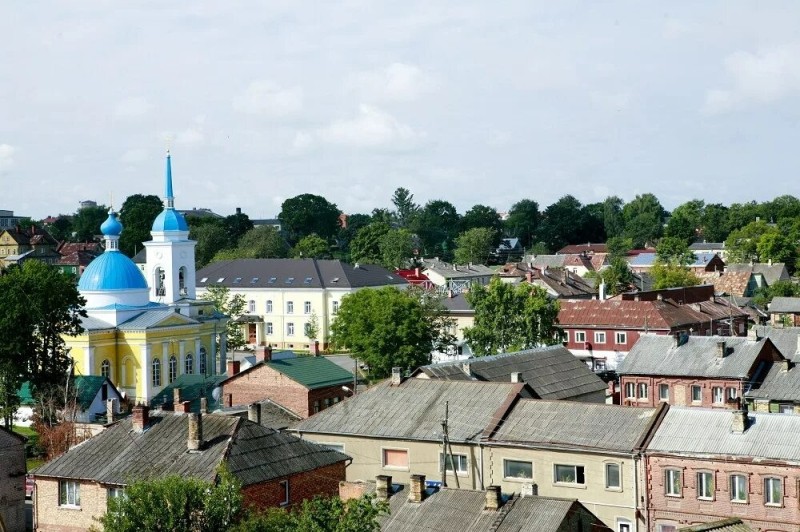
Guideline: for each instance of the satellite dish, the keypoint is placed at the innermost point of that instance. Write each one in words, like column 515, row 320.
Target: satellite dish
column 216, row 393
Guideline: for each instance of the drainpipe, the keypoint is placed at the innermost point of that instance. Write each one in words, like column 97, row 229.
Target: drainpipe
column 637, row 461
column 480, row 447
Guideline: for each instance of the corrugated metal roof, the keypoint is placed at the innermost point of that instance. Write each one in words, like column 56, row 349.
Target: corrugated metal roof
column 312, row 372
column 732, row 524
column 564, row 423
column 150, row 318
column 548, row 514
column 707, row 432
column 414, row 410
column 695, row 357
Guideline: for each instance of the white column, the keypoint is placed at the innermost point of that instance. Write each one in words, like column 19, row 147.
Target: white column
column 147, row 369
column 223, row 353
column 196, row 363
column 88, row 361
column 164, row 364
column 182, row 358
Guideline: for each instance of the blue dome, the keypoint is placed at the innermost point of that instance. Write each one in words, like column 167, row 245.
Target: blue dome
column 112, row 271
column 169, row 220
column 112, row 226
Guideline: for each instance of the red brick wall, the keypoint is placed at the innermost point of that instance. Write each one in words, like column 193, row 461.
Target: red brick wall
column 687, row 510
column 322, row 481
column 676, row 396
column 264, row 382
column 609, row 346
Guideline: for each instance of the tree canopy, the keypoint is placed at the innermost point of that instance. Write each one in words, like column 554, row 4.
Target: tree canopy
column 262, row 242
column 308, row 214
column 231, row 305
column 437, row 226
column 397, row 248
column 644, row 220
column 211, row 238
column 365, row 247
column 87, row 221
column 523, row 221
column 236, row 226
column 482, row 216
column 137, row 215
column 474, row 245
column 320, row 514
column 311, row 247
column 404, row 205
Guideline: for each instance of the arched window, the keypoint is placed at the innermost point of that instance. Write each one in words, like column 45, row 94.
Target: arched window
column 202, row 361
column 173, row 368
column 182, row 281
column 156, row 372
column 189, row 364
column 158, row 279
column 105, row 369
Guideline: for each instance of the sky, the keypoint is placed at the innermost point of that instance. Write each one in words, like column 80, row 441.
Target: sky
column 474, row 102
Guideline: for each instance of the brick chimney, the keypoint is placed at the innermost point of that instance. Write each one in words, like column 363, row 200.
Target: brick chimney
column 417, row 491
column 203, row 405
column 739, row 421
column 397, row 376
column 254, row 413
column 141, row 416
column 184, row 407
column 195, row 440
column 383, row 487
column 176, row 397
column 233, row 367
column 466, row 368
column 111, row 409
column 721, row 349
column 529, row 277
column 493, row 500
column 516, row 377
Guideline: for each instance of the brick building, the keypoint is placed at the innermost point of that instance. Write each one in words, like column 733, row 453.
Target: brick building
column 274, row 468
column 708, row 371
column 12, row 481
column 303, row 385
column 704, row 465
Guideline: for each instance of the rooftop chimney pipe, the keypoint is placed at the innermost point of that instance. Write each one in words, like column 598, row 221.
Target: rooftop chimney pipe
column 417, row 491
column 195, row 441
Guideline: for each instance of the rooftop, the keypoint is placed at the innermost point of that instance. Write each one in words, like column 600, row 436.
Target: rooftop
column 311, row 371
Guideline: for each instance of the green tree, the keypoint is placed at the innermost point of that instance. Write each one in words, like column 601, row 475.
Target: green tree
column 674, row 250
column 137, row 215
column 263, row 242
column 523, row 221
column 312, row 327
column 61, row 228
column 236, row 226
column 231, row 305
column 437, row 226
column 485, row 217
column 396, row 248
column 672, row 276
column 562, row 223
column 764, row 296
column 211, row 238
column 346, row 234
column 311, row 247
column 644, row 219
column 742, row 244
column 474, row 245
column 593, row 229
column 510, row 318
column 686, row 220
column 321, row 514
column 308, row 214
column 403, row 202
column 777, row 247
column 613, row 222
column 176, row 504
column 715, row 223
column 87, row 221
column 388, row 328
column 366, row 246
column 741, row 214
column 617, row 276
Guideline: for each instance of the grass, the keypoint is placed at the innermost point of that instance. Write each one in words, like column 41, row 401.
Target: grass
column 24, row 431
column 34, row 462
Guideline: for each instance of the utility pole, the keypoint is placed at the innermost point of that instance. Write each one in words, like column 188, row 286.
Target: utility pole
column 447, row 449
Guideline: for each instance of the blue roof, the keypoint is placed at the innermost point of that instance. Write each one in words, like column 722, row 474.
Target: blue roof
column 170, row 220
column 112, row 226
column 648, row 259
column 112, row 271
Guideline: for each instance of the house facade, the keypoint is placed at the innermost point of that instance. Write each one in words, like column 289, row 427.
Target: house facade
column 455, row 278
column 784, row 312
column 18, row 245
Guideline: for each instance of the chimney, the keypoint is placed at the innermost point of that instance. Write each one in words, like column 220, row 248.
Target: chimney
column 397, row 377
column 659, row 297
column 141, row 417
column 721, row 349
column 183, row 408
column 111, row 409
column 529, row 276
column 254, row 413
column 195, row 441
column 516, row 377
column 417, row 491
column 739, row 422
column 602, row 291
column 492, row 498
column 203, row 405
column 416, row 272
column 786, row 365
column 238, row 210
column 466, row 368
column 176, row 397
column 383, row 487
column 233, row 367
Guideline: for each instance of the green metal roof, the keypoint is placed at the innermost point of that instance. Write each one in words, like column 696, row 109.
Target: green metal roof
column 191, row 387
column 312, row 372
column 86, row 385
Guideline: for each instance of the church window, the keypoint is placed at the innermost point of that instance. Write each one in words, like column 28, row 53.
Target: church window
column 105, row 369
column 173, row 368
column 156, row 372
column 182, row 281
column 189, row 365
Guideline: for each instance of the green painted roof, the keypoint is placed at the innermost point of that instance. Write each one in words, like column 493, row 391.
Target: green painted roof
column 312, row 372
column 191, row 386
column 87, row 386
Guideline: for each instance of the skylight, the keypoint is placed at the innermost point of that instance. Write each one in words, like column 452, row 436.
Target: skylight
column 272, row 280
column 204, row 279
column 220, row 279
column 254, row 281
column 307, row 281
column 290, row 280
column 237, row 280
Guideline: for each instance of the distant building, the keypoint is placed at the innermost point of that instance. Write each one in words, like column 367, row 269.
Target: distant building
column 18, row 245
column 455, row 278
column 7, row 219
column 785, row 311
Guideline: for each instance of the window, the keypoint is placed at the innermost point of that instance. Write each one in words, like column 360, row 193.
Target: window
column 568, row 474
column 269, row 327
column 308, row 280
column 316, row 406
column 307, row 307
column 272, row 280
column 600, row 337
column 69, row 493
column 114, row 493
column 156, row 372
column 290, row 329
column 251, row 306
column 623, row 525
column 705, row 485
column 395, row 459
column 173, row 368
column 667, row 528
column 580, row 337
column 458, row 460
column 730, row 394
column 188, row 366
column 716, row 395
column 237, row 280
column 269, row 306
column 517, row 469
column 738, row 489
column 284, row 484
column 643, row 390
column 290, row 307
column 202, row 361
column 335, row 307
column 105, row 369
column 672, row 482
column 630, row 390
column 697, row 394
column 663, row 392
column 786, row 409
column 773, row 491
column 613, row 478
column 307, row 329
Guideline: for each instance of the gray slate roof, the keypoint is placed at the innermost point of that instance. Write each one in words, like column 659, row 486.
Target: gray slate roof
column 414, row 410
column 784, row 304
column 786, row 339
column 707, row 432
column 273, row 415
column 458, row 304
column 546, row 514
column 731, row 524
column 778, row 385
column 552, row 372
column 254, row 453
column 294, row 273
column 772, row 272
column 457, row 271
column 565, row 424
column 697, row 357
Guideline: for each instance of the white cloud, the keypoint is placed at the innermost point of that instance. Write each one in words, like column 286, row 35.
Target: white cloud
column 758, row 78
column 267, row 98
column 191, row 136
column 302, row 141
column 371, row 128
column 6, row 156
column 399, row 82
column 132, row 108
column 134, row 156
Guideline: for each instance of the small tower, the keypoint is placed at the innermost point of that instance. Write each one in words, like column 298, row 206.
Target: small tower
column 170, row 254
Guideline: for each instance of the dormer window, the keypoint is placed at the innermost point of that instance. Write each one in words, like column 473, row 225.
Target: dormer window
column 272, row 280
column 290, row 280
column 237, row 280
column 220, row 279
column 254, row 281
column 204, row 279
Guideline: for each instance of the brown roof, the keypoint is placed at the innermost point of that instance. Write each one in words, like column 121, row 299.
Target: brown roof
column 33, row 236
column 580, row 248
column 728, row 283
column 66, row 248
column 77, row 258
column 578, row 260
column 598, row 260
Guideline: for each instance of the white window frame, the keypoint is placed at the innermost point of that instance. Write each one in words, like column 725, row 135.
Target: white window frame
column 69, row 493
column 704, row 485
column 642, row 391
column 768, row 493
column 623, row 525
column 105, row 369
column 673, row 482
column 290, row 307
column 731, row 393
column 630, row 390
column 661, row 388
column 285, row 484
column 621, row 338
column 307, row 307
column 268, row 306
column 575, row 475
column 269, row 328
column 335, row 307
column 738, row 496
column 717, row 395
column 155, row 369
column 251, row 306
column 692, row 388
column 507, row 461
column 173, row 368
column 407, row 467
column 599, row 337
column 188, row 364
column 461, row 462
column 290, row 328
column 580, row 337
column 618, row 465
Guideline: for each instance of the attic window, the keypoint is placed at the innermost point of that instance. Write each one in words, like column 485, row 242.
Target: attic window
column 220, row 279
column 254, row 281
column 290, row 280
column 204, row 279
column 272, row 280
column 237, row 280
column 307, row 281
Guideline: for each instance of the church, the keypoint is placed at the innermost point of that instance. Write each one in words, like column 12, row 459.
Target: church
column 145, row 327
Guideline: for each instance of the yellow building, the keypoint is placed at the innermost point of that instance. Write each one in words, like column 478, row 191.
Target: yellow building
column 143, row 337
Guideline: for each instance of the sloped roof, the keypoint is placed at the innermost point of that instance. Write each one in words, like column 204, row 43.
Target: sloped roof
column 580, row 248
column 785, row 304
column 457, row 303
column 546, row 514
column 192, row 387
column 414, row 410
column 772, row 272
column 273, row 415
column 548, row 261
column 707, row 432
column 254, row 453
column 565, row 424
column 700, row 246
column 551, row 372
column 311, row 372
column 153, row 318
column 778, row 385
column 732, row 524
column 88, row 386
column 786, row 339
column 294, row 273
column 728, row 282
column 456, row 271
column 562, row 282
column 9, row 438
column 695, row 357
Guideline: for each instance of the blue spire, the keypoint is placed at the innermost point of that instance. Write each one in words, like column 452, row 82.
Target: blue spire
column 169, row 196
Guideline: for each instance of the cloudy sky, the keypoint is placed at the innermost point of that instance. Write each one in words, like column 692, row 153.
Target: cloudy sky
column 469, row 101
